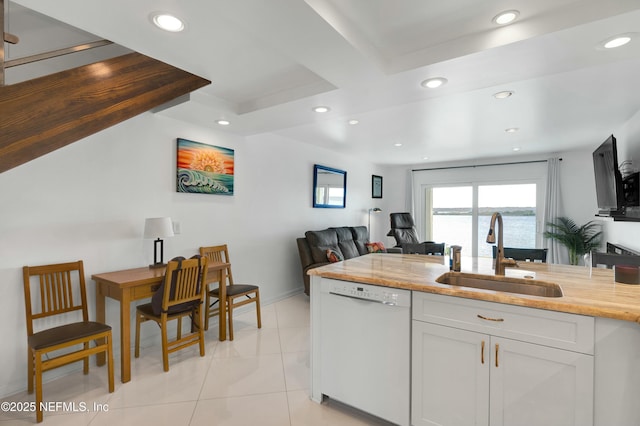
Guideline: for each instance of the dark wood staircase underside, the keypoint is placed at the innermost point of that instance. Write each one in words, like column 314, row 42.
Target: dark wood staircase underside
column 41, row 115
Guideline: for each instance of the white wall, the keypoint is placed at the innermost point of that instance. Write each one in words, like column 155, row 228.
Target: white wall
column 578, row 186
column 628, row 139
column 89, row 200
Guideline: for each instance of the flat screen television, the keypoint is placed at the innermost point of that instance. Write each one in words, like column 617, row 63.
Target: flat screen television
column 609, row 189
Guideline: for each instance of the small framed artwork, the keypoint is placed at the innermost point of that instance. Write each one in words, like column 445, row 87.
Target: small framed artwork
column 376, row 186
column 204, row 169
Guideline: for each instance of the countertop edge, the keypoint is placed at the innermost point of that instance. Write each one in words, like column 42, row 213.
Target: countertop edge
column 582, row 305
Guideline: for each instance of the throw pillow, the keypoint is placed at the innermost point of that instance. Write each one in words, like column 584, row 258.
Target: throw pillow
column 320, row 241
column 377, row 247
column 333, row 256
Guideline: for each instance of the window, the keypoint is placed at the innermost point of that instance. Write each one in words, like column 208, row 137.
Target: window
column 517, row 205
column 456, row 205
column 451, row 215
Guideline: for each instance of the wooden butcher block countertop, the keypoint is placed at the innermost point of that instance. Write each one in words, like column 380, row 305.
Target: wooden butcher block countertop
column 594, row 294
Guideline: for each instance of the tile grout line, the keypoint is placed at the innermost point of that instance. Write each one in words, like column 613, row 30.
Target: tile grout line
column 284, row 373
column 195, row 407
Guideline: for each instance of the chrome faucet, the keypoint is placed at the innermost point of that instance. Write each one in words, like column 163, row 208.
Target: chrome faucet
column 501, row 262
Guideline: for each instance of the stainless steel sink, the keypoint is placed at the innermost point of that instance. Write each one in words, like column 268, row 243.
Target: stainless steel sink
column 526, row 286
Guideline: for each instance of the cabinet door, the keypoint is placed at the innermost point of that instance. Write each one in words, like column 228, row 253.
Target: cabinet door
column 538, row 385
column 450, row 376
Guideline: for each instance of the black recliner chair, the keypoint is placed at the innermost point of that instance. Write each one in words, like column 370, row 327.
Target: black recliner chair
column 404, row 231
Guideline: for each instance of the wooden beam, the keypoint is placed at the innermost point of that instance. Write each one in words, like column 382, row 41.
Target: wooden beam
column 50, row 112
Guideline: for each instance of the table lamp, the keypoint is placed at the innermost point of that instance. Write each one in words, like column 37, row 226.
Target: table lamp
column 158, row 227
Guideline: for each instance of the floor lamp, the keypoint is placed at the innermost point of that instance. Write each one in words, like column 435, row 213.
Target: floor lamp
column 372, row 210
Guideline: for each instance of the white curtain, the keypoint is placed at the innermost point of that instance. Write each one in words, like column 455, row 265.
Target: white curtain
column 552, row 207
column 410, row 196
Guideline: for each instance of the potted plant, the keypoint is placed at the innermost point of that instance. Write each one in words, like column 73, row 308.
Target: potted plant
column 579, row 240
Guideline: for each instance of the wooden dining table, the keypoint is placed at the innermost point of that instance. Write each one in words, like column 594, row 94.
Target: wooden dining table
column 130, row 285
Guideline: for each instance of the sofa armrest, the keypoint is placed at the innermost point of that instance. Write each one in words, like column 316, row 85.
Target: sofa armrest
column 307, row 278
column 315, row 265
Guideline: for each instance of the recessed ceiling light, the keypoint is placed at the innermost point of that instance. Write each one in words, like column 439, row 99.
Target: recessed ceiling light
column 321, row 109
column 511, row 130
column 223, row 122
column 432, row 83
column 503, row 95
column 506, row 17
column 516, row 148
column 167, row 22
column 617, row 42
column 353, row 122
column 397, row 144
column 425, row 158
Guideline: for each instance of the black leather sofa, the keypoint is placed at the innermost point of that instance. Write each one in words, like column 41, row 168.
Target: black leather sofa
column 346, row 241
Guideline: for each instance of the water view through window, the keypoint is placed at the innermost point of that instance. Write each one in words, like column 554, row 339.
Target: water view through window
column 452, row 215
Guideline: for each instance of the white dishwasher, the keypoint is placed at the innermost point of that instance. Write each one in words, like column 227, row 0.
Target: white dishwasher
column 365, row 348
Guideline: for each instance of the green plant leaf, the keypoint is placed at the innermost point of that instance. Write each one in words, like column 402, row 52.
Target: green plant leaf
column 578, row 240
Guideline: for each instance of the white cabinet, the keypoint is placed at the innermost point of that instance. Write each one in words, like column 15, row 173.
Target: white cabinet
column 539, row 385
column 473, row 364
column 450, row 384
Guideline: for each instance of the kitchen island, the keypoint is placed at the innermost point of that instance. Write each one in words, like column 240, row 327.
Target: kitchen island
column 589, row 339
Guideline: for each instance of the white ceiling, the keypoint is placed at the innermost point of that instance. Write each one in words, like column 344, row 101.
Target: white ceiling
column 271, row 61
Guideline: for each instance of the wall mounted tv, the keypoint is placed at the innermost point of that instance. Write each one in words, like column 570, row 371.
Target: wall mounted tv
column 609, row 186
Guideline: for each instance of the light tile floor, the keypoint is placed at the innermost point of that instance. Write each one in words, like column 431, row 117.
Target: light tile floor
column 261, row 378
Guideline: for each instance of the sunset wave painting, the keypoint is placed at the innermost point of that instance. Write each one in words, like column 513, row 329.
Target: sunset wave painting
column 204, row 169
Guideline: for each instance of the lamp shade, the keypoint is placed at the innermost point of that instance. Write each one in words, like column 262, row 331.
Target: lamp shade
column 158, row 227
column 372, row 210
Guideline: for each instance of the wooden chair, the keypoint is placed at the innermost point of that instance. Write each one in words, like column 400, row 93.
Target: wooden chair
column 524, row 254
column 180, row 295
column 58, row 290
column 234, row 291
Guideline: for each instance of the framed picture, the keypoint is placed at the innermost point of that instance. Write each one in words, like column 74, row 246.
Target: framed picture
column 204, row 169
column 329, row 187
column 376, row 186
